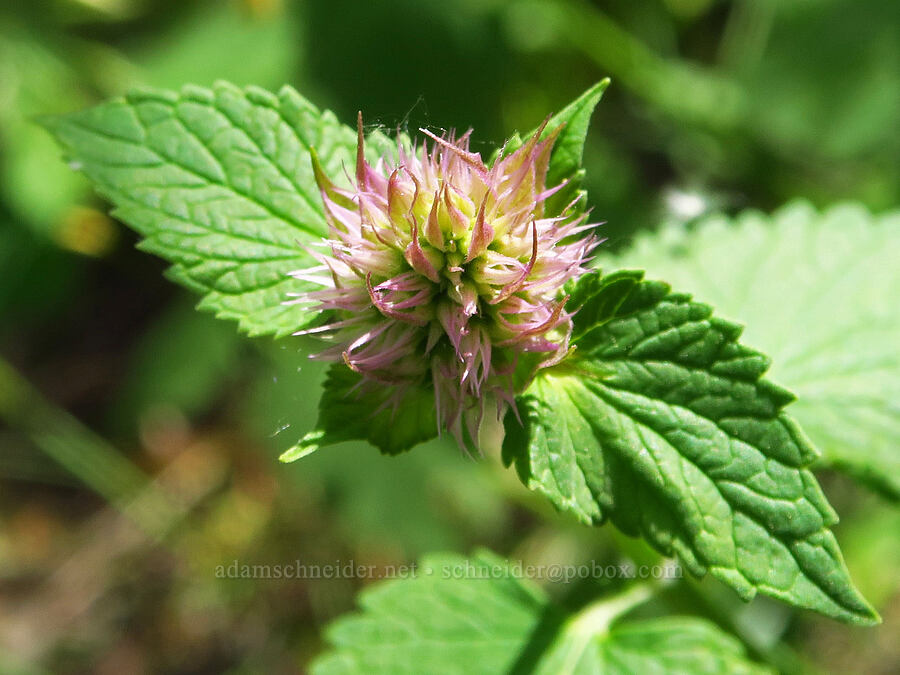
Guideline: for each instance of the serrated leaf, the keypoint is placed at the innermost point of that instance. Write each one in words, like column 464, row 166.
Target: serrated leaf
column 350, row 409
column 818, row 292
column 662, row 424
column 219, row 183
column 470, row 616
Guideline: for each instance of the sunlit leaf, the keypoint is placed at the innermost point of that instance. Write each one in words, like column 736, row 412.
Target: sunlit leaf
column 818, row 292
column 663, row 424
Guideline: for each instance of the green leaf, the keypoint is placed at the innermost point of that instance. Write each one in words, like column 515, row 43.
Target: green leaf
column 818, row 292
column 566, row 156
column 471, row 616
column 433, row 624
column 565, row 159
column 219, row 183
column 391, row 420
column 662, row 424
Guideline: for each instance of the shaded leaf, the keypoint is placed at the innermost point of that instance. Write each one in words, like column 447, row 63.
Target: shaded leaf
column 392, row 420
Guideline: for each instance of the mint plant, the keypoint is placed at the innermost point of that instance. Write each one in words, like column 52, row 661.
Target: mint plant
column 443, row 270
column 458, row 295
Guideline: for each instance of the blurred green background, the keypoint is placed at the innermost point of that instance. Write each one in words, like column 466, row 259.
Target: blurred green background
column 138, row 438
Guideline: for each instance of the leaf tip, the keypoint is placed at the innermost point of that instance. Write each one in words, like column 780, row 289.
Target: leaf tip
column 304, row 447
column 869, row 618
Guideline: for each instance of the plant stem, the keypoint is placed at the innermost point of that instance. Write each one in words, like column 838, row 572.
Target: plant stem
column 594, row 621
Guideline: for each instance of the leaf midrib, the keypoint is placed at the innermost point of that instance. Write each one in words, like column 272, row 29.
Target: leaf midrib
column 783, row 539
column 287, row 219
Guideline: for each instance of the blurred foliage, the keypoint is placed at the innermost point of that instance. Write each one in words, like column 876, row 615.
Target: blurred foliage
column 715, row 105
